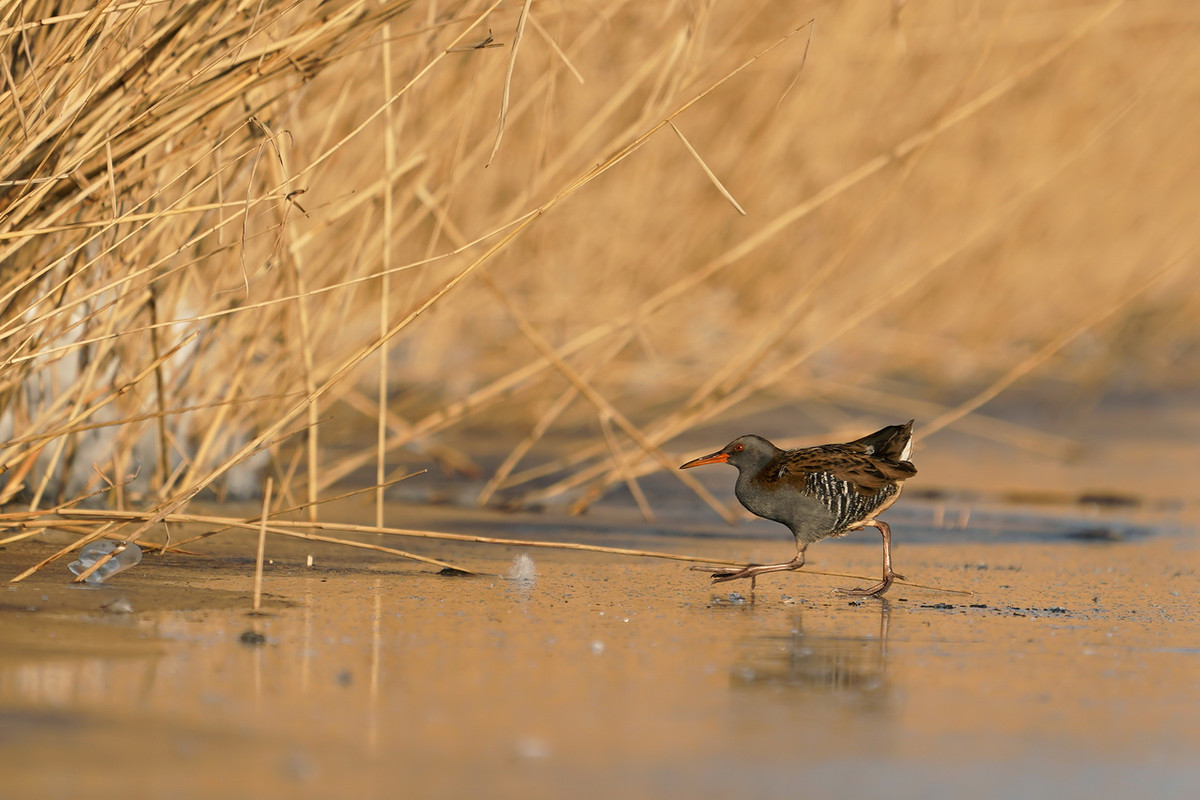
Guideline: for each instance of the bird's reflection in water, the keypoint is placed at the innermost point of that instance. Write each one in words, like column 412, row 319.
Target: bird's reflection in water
column 853, row 668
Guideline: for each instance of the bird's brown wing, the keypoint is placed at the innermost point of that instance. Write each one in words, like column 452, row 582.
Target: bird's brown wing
column 848, row 462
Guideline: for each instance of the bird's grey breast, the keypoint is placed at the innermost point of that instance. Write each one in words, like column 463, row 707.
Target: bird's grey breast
column 784, row 502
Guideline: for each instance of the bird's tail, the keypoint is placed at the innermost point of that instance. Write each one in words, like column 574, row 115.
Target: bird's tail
column 893, row 443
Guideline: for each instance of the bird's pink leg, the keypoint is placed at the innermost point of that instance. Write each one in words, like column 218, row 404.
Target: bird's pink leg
column 888, row 574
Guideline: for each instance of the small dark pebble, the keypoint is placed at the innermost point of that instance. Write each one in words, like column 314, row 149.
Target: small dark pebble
column 937, row 605
column 855, row 603
column 978, row 605
column 451, row 571
column 1057, row 610
column 344, row 678
column 252, row 638
column 1017, row 614
column 1095, row 535
column 1109, row 499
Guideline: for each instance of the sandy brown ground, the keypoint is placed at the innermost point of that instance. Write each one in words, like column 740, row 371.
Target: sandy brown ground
column 1070, row 670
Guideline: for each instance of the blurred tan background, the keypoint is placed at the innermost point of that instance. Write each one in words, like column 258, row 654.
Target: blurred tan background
column 949, row 205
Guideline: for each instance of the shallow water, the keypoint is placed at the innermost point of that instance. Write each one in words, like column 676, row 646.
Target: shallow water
column 1070, row 670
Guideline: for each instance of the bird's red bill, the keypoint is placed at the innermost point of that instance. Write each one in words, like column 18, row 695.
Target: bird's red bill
column 716, row 458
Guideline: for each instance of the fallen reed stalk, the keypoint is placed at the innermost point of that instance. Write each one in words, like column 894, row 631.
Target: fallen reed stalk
column 301, row 529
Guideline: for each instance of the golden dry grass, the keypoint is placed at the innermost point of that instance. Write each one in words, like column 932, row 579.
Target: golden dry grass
column 214, row 216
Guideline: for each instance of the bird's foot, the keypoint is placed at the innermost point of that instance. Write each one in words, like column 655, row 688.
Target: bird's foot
column 873, row 591
column 720, row 574
column 751, row 571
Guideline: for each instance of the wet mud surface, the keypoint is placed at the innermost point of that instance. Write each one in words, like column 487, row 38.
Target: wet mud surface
column 1069, row 669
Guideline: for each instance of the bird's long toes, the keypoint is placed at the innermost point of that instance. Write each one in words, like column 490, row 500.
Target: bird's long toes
column 869, row 591
column 719, row 571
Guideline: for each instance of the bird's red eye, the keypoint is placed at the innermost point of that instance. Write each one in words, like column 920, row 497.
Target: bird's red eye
column 737, row 448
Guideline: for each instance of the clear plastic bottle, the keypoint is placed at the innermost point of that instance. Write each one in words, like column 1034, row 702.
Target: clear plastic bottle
column 90, row 554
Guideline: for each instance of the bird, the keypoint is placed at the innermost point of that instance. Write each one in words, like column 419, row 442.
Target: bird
column 819, row 492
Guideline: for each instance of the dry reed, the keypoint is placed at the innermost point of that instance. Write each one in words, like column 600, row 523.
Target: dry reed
column 219, row 223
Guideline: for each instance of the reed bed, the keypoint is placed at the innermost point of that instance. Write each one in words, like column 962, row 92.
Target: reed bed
column 322, row 241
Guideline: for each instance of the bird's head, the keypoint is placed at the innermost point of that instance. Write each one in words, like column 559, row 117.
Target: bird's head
column 744, row 452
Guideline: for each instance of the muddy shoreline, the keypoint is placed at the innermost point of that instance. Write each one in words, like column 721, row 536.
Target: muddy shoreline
column 1069, row 665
